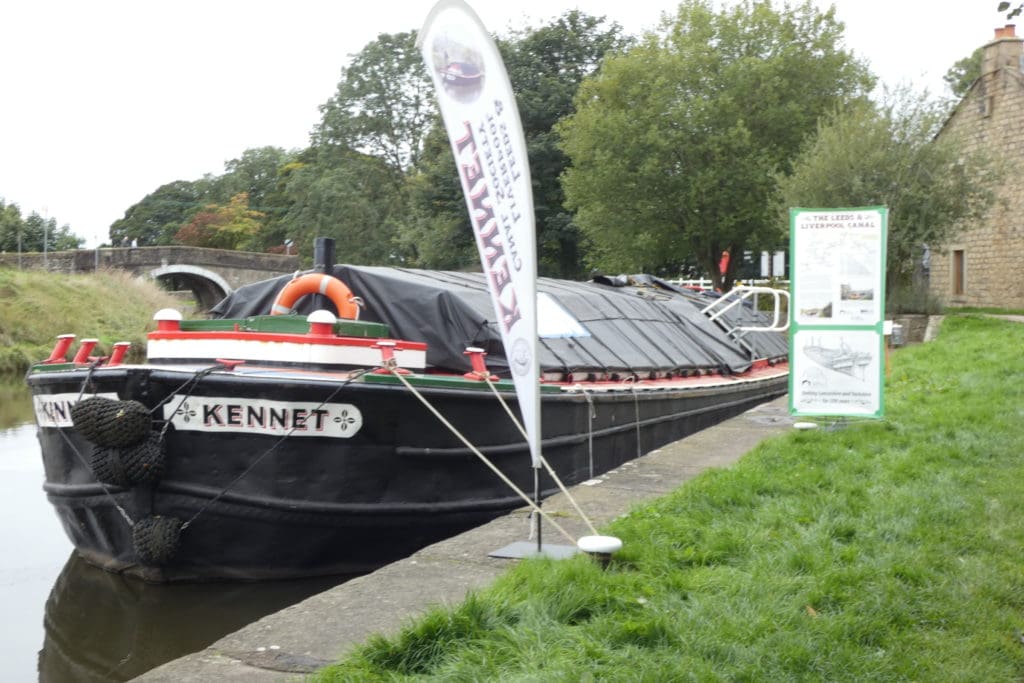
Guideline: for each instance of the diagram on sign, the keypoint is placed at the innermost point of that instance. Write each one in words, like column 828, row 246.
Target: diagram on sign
column 836, row 370
column 839, row 358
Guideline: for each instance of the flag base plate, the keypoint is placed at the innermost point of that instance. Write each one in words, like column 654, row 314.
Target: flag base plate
column 522, row 549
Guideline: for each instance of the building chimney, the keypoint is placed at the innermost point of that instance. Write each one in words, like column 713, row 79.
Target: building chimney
column 1004, row 51
column 1008, row 31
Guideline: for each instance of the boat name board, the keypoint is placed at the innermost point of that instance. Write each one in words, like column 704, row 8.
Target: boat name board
column 54, row 410
column 260, row 416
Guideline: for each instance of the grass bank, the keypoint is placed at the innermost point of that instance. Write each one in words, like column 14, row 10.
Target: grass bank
column 886, row 550
column 36, row 306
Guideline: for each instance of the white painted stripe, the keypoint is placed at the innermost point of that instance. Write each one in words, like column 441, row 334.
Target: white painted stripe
column 279, row 352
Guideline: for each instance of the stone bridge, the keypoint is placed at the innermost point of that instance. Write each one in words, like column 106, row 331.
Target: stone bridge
column 210, row 274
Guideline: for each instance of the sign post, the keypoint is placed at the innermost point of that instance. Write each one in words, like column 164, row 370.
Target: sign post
column 837, row 311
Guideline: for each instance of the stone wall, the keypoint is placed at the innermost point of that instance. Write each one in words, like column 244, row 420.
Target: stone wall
column 235, row 267
column 990, row 118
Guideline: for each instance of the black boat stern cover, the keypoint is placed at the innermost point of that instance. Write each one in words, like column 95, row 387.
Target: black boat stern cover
column 630, row 325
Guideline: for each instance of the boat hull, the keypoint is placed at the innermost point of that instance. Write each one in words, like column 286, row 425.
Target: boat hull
column 260, row 504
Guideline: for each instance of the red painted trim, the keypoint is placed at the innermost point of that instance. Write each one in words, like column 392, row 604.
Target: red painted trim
column 281, row 337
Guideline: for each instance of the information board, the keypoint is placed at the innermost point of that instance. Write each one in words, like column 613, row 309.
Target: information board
column 837, row 311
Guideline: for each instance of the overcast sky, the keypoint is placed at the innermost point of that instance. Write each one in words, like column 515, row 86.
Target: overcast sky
column 102, row 102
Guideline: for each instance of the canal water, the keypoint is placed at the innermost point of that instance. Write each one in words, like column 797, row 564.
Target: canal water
column 65, row 620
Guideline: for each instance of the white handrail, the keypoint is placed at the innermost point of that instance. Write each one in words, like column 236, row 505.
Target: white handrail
column 741, row 293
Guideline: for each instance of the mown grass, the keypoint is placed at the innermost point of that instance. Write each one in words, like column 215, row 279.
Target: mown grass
column 886, row 550
column 35, row 307
column 960, row 310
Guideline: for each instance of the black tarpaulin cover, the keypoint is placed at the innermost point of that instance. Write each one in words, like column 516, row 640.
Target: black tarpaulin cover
column 634, row 325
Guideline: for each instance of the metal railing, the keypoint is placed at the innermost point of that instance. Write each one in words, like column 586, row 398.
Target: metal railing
column 736, row 296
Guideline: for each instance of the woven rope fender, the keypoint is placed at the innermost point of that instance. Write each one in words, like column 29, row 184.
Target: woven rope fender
column 125, row 467
column 156, row 539
column 110, row 423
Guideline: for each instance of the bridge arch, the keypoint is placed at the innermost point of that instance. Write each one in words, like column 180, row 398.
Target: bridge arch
column 207, row 286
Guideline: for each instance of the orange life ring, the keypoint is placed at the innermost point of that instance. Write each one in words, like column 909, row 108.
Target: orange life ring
column 317, row 283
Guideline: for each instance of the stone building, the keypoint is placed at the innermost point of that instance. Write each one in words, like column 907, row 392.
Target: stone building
column 983, row 264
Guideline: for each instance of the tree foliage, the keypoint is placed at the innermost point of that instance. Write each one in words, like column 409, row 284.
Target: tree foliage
column 546, row 66
column 349, row 197
column 29, row 233
column 384, row 103
column 255, row 173
column 676, row 143
column 1011, row 11
column 888, row 154
column 222, row 226
column 159, row 215
column 437, row 233
column 962, row 74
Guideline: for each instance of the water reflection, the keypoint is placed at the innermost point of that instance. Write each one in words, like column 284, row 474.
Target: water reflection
column 15, row 402
column 106, row 627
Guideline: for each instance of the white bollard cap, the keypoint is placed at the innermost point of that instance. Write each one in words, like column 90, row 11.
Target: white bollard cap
column 167, row 314
column 321, row 316
column 600, row 545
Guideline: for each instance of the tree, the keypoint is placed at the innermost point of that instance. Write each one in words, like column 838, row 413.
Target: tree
column 12, row 227
column 255, row 173
column 160, row 214
column 347, row 196
column 962, row 74
column 675, row 144
column 222, row 226
column 546, row 66
column 384, row 104
column 28, row 234
column 438, row 233
column 889, row 155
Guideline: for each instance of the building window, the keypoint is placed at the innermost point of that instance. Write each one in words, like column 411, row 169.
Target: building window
column 958, row 272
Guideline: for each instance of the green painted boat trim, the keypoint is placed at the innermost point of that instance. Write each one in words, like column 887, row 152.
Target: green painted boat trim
column 450, row 382
column 52, row 367
column 285, row 324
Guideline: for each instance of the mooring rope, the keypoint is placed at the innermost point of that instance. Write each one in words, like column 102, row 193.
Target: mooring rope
column 631, row 381
column 591, row 416
column 194, row 381
column 355, row 374
column 393, row 367
column 81, row 459
column 543, row 460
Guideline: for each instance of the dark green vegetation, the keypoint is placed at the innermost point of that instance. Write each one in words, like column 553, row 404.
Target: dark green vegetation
column 883, row 550
column 651, row 153
column 30, row 233
column 35, row 307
